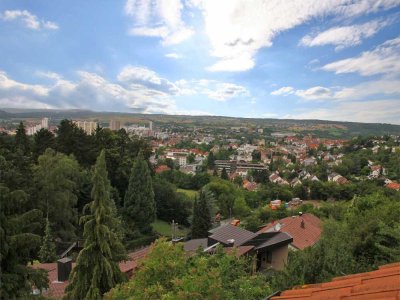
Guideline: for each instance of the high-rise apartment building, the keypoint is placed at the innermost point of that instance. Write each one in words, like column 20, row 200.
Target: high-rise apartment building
column 115, row 125
column 88, row 126
column 45, row 123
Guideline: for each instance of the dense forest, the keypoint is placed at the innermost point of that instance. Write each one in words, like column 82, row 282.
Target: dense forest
column 102, row 189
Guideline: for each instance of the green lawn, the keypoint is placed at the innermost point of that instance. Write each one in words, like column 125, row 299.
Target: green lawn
column 190, row 193
column 165, row 229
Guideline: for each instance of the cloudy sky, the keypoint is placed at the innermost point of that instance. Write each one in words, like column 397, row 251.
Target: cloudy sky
column 310, row 59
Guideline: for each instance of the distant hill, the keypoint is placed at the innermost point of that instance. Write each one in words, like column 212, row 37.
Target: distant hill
column 322, row 128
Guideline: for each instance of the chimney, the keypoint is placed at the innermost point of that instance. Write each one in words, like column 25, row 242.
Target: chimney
column 64, row 267
column 302, row 224
column 231, row 242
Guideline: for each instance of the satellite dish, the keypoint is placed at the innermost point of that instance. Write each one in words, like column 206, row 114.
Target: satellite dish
column 277, row 227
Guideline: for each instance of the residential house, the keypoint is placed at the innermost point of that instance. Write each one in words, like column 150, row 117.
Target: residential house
column 339, row 179
column 161, row 168
column 270, row 248
column 310, row 161
column 305, row 229
column 58, row 272
column 295, row 181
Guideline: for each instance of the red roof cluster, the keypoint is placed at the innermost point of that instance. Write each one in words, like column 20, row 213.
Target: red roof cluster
column 305, row 229
column 379, row 285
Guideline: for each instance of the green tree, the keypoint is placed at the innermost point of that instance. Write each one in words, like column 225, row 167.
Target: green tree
column 201, row 222
column 42, row 140
column 240, row 208
column 22, row 140
column 47, row 251
column 97, row 269
column 210, row 160
column 224, row 174
column 167, row 273
column 139, row 204
column 19, row 242
column 73, row 140
column 55, row 177
column 170, row 204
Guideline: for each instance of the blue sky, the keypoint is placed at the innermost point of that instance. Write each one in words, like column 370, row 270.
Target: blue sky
column 303, row 59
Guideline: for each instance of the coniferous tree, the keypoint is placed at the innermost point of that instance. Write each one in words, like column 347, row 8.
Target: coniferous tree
column 210, row 160
column 139, row 204
column 201, row 216
column 97, row 270
column 43, row 139
column 215, row 172
column 18, row 243
column 224, row 174
column 21, row 139
column 47, row 251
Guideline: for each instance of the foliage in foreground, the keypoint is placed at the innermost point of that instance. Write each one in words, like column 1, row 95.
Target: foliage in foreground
column 367, row 235
column 167, row 273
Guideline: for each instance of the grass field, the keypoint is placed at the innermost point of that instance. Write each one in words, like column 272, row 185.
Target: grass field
column 165, row 229
column 190, row 193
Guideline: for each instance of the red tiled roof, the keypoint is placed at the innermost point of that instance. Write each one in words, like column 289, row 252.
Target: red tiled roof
column 393, row 185
column 56, row 288
column 303, row 235
column 380, row 284
column 239, row 251
column 162, row 168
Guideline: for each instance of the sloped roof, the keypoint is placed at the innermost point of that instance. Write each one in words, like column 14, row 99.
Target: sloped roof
column 239, row 251
column 278, row 238
column 162, row 168
column 380, row 284
column 226, row 232
column 303, row 235
column 56, row 289
column 393, row 185
column 193, row 245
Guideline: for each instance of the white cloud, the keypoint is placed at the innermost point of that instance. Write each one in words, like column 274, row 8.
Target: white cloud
column 384, row 59
column 142, row 93
column 173, row 55
column 345, row 36
column 383, row 111
column 362, row 91
column 158, row 18
column 283, row 91
column 28, row 19
column 226, row 91
column 220, row 91
column 138, row 89
column 315, row 93
column 366, row 89
column 237, row 29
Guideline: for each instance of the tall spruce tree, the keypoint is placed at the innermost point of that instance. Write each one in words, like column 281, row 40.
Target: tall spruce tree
column 201, row 216
column 97, row 270
column 139, row 203
column 47, row 251
column 21, row 139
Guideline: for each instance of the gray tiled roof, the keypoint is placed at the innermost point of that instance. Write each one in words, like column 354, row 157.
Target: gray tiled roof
column 277, row 238
column 226, row 232
column 193, row 245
